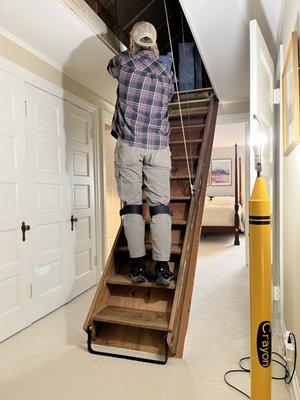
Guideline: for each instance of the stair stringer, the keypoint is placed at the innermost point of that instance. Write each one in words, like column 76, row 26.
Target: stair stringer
column 184, row 287
column 102, row 291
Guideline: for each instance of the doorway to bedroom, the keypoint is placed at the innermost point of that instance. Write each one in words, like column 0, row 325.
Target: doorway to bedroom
column 226, row 198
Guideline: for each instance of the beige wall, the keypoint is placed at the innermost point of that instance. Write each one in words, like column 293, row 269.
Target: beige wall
column 36, row 65
column 32, row 63
column 291, row 204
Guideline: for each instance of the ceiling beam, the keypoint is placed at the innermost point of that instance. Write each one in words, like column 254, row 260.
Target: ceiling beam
column 168, row 44
column 112, row 24
column 139, row 14
column 164, row 22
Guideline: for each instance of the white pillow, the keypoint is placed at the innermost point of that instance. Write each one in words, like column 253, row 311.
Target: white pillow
column 225, row 201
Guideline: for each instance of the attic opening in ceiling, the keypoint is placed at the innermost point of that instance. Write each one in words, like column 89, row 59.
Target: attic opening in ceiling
column 121, row 15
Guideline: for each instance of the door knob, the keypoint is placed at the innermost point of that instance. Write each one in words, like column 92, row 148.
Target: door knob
column 73, row 219
column 24, row 228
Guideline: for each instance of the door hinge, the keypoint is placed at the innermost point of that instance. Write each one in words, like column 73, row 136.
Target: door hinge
column 95, row 260
column 276, row 96
column 26, row 109
column 92, row 133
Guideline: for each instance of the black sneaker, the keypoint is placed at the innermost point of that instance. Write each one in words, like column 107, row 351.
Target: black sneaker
column 137, row 270
column 163, row 274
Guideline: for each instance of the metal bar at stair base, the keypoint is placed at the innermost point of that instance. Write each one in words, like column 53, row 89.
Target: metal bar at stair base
column 123, row 356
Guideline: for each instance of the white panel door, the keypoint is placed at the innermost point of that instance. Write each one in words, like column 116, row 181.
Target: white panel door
column 14, row 253
column 112, row 200
column 81, row 169
column 52, row 265
column 262, row 101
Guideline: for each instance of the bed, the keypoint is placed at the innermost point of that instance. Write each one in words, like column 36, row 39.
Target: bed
column 224, row 214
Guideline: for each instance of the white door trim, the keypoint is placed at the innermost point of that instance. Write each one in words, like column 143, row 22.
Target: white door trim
column 98, row 182
column 247, row 189
column 105, row 117
column 280, row 206
column 41, row 83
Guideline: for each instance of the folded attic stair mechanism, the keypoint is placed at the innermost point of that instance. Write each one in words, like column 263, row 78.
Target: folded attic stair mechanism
column 151, row 321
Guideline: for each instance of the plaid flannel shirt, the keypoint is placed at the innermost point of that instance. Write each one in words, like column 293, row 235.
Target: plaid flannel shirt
column 144, row 92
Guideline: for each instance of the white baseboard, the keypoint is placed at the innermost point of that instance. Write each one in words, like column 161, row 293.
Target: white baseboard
column 294, row 385
column 294, row 388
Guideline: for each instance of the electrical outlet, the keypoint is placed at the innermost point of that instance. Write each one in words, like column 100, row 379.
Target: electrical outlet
column 289, row 346
column 276, row 293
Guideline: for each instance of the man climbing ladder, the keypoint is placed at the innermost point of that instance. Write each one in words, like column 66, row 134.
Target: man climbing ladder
column 142, row 154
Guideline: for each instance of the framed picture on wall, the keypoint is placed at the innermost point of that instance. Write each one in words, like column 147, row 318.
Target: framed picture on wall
column 290, row 97
column 221, row 172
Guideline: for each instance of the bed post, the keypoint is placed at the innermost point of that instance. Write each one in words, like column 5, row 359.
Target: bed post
column 236, row 202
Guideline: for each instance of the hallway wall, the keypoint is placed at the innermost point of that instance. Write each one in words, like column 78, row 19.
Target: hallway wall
column 17, row 54
column 291, row 203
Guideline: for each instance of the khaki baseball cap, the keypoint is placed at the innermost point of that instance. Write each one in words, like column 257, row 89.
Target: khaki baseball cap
column 144, row 34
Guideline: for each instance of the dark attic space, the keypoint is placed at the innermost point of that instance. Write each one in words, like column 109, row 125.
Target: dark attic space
column 121, row 15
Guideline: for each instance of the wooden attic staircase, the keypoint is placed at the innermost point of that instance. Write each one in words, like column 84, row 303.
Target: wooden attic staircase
column 145, row 317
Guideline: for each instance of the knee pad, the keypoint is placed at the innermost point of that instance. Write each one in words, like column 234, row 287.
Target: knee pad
column 160, row 209
column 132, row 209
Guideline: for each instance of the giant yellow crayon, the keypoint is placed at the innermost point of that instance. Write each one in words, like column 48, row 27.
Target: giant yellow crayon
column 260, row 290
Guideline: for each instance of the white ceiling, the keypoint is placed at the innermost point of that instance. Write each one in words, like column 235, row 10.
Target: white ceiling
column 221, row 30
column 53, row 30
column 219, row 27
column 273, row 12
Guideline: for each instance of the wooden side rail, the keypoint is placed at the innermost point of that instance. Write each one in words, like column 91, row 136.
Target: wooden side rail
column 101, row 289
column 181, row 306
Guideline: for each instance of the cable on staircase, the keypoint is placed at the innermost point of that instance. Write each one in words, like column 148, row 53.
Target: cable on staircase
column 192, row 187
column 187, row 93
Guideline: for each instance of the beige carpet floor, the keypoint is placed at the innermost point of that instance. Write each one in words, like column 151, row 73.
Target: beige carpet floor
column 49, row 361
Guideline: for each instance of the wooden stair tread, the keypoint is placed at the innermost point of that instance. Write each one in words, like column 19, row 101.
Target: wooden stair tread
column 190, row 126
column 179, row 222
column 187, row 141
column 133, row 317
column 174, row 221
column 183, row 158
column 175, row 248
column 192, row 94
column 207, row 89
column 183, row 176
column 188, row 102
column 119, row 279
column 181, row 197
column 188, row 111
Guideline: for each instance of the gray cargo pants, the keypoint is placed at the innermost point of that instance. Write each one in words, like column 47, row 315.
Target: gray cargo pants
column 138, row 170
